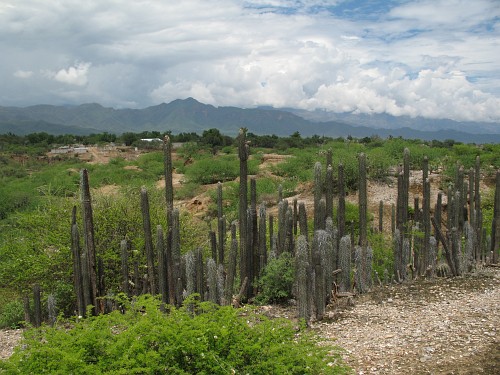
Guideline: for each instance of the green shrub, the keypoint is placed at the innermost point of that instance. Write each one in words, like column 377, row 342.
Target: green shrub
column 277, row 279
column 200, row 338
column 11, row 315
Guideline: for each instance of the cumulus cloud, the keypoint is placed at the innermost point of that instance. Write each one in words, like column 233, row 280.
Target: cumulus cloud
column 433, row 58
column 74, row 75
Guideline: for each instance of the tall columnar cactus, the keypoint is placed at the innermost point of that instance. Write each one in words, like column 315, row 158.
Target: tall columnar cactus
column 344, row 263
column 363, row 202
column 438, row 212
column 426, row 223
column 456, row 251
column 190, row 272
column 282, row 209
column 88, row 235
column 221, row 274
column 148, row 240
column 124, row 262
column 329, row 191
column 460, row 187
column 176, row 253
column 468, row 254
column 289, row 239
column 495, row 225
column 319, row 241
column 406, row 183
column 303, row 220
column 231, row 267
column 477, row 203
column 243, row 154
column 363, row 216
column 212, row 237
column 212, row 280
column 200, row 275
column 37, row 306
column 431, row 267
column 221, row 225
column 295, row 216
column 301, row 268
column 393, row 218
column 318, row 193
column 254, row 230
column 77, row 266
column 169, row 188
column 341, row 205
column 262, row 238
column 162, row 264
column 397, row 248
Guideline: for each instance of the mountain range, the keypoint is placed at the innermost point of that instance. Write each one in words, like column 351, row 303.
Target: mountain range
column 189, row 115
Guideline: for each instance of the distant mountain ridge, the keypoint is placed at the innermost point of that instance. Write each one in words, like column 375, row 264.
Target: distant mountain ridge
column 189, row 115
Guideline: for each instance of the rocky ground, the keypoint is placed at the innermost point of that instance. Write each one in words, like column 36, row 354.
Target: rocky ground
column 443, row 326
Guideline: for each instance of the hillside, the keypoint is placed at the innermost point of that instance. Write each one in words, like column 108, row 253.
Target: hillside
column 190, row 115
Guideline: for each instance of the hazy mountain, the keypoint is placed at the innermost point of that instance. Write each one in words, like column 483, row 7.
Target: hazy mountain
column 386, row 121
column 190, row 115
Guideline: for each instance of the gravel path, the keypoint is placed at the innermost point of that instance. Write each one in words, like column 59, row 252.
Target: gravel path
column 444, row 326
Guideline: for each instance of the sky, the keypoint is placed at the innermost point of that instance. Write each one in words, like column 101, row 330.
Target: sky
column 430, row 58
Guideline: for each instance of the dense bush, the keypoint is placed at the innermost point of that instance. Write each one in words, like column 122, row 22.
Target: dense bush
column 275, row 284
column 199, row 338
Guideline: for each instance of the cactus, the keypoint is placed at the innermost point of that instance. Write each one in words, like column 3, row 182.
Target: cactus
column 169, row 189
column 124, row 262
column 341, row 206
column 393, row 218
column 243, row 153
column 344, row 263
column 319, row 241
column 176, row 256
column 162, row 265
column 254, row 230
column 262, row 238
column 37, row 306
column 363, row 268
column 77, row 267
column 220, row 285
column 495, row 224
column 295, row 216
column 282, row 209
column 221, row 225
column 426, row 220
column 303, row 221
column 231, row 268
column 212, row 280
column 88, row 235
column 456, row 251
column 329, row 191
column 212, row 237
column 190, row 259
column 406, row 183
column 397, row 247
column 301, row 267
column 52, row 309
column 148, row 240
column 477, row 203
column 318, row 192
column 432, row 260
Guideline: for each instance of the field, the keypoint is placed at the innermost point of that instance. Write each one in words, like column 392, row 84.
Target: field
column 41, row 190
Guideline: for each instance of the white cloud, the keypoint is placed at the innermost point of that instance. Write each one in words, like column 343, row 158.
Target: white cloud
column 436, row 58
column 74, row 75
column 23, row 74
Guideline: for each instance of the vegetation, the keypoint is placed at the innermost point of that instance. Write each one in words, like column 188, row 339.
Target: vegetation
column 39, row 195
column 198, row 338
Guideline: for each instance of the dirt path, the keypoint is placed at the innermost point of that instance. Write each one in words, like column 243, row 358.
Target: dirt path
column 445, row 326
